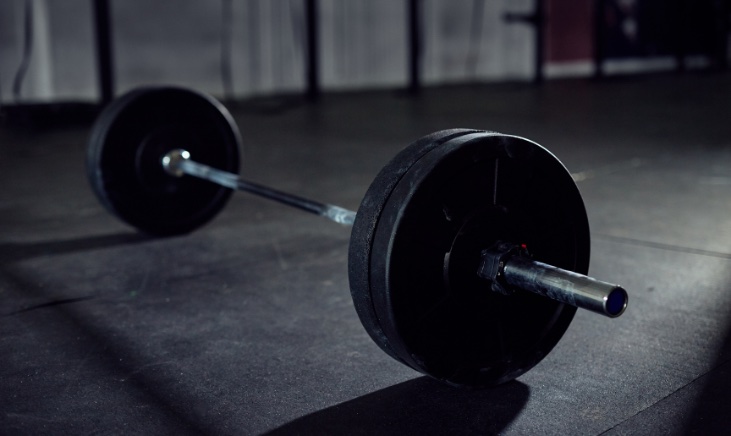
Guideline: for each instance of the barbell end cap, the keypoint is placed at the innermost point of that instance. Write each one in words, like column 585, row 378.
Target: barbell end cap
column 615, row 303
column 172, row 162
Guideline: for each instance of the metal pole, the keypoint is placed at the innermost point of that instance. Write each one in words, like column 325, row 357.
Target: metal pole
column 539, row 24
column 105, row 61
column 598, row 39
column 415, row 46
column 312, row 73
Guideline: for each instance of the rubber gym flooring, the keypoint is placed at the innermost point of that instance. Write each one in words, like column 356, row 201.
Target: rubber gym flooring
column 246, row 326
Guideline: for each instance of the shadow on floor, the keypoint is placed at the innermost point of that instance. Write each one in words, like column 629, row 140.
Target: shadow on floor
column 14, row 252
column 11, row 252
column 419, row 406
column 710, row 413
column 109, row 362
column 120, row 373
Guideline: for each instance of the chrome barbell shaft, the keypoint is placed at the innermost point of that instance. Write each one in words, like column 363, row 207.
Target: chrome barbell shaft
column 178, row 163
column 565, row 286
column 509, row 267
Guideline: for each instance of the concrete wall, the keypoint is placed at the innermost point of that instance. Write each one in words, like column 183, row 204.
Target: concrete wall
column 363, row 44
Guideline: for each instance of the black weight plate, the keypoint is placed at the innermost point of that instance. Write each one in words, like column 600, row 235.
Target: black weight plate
column 455, row 200
column 125, row 152
column 361, row 238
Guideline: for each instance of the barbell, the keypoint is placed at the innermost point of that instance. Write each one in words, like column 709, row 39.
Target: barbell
column 468, row 254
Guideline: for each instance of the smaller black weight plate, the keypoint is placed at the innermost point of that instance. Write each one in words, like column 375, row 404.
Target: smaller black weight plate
column 429, row 309
column 126, row 146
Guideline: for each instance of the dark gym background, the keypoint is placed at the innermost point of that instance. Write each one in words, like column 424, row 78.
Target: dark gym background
column 246, row 325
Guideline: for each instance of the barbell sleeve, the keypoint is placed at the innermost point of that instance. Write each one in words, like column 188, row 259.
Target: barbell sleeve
column 565, row 286
column 509, row 269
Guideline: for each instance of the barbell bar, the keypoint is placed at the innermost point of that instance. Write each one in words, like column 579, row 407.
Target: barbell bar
column 514, row 268
column 446, row 242
column 177, row 162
